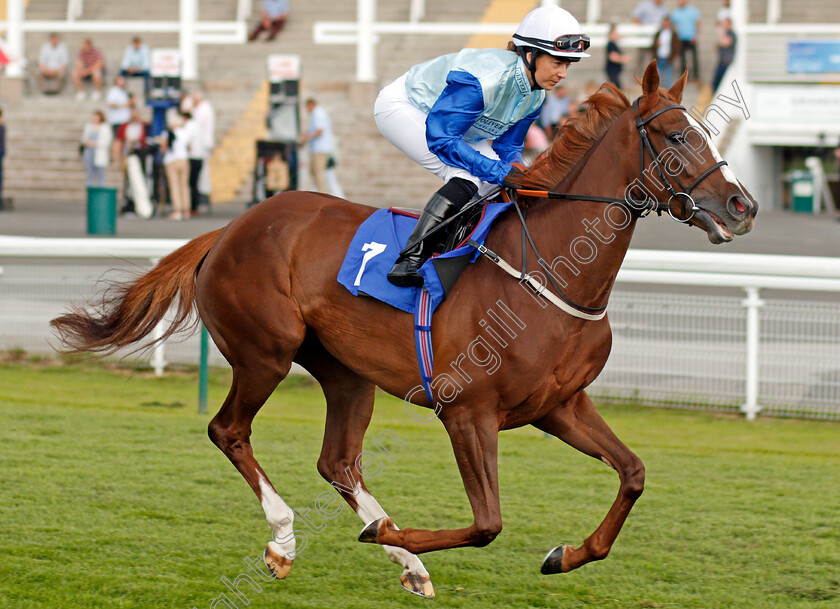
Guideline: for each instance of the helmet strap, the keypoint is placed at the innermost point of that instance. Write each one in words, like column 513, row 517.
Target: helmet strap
column 531, row 65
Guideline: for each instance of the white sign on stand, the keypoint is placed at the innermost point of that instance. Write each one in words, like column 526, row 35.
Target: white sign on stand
column 283, row 67
column 166, row 62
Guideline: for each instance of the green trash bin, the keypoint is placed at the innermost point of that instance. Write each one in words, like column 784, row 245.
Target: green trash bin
column 802, row 191
column 101, row 210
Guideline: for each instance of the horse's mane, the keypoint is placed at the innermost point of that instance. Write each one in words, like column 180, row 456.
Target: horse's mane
column 576, row 137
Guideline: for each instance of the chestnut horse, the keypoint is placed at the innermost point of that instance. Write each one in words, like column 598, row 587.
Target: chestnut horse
column 265, row 287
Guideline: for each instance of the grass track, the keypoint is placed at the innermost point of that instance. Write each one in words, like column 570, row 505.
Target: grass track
column 111, row 495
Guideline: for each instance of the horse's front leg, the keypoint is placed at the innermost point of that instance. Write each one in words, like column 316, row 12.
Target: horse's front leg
column 577, row 423
column 475, row 443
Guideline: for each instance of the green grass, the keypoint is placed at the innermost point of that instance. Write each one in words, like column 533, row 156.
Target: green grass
column 111, row 495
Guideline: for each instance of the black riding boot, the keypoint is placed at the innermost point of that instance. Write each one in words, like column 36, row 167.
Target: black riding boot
column 404, row 273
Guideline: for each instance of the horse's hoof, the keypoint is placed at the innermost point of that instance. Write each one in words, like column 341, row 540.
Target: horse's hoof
column 277, row 563
column 553, row 562
column 418, row 583
column 371, row 532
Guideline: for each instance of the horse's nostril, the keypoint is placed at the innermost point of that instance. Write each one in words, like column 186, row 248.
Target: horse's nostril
column 736, row 206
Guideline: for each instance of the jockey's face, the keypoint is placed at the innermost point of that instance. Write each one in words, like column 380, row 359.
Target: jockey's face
column 550, row 70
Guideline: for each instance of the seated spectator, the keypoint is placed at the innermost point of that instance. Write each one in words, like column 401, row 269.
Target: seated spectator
column 137, row 62
column 272, row 18
column 90, row 65
column 52, row 66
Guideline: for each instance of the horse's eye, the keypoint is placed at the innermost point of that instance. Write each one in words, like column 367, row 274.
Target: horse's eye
column 676, row 138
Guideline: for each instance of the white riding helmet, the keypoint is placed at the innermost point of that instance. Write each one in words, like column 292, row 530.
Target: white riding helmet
column 552, row 30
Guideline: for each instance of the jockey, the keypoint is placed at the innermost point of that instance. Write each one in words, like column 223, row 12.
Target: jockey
column 464, row 117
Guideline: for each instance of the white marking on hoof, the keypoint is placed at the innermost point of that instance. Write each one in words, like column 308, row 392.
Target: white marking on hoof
column 370, row 510
column 276, row 562
column 280, row 518
column 418, row 583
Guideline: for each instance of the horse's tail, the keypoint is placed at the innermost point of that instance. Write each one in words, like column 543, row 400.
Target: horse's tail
column 129, row 311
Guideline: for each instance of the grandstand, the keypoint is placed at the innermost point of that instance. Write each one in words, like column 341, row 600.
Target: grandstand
column 43, row 132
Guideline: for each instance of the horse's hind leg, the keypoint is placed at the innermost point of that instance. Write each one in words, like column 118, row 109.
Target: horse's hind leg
column 349, row 407
column 577, row 423
column 230, row 430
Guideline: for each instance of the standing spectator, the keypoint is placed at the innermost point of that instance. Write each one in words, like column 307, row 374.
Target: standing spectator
column 272, row 18
column 201, row 145
column 174, row 145
column 2, row 154
column 96, row 142
column 319, row 136
column 131, row 140
column 52, row 66
column 90, row 65
column 119, row 104
column 726, row 51
column 648, row 12
column 556, row 105
column 686, row 20
column 664, row 49
column 137, row 62
column 615, row 58
column 724, row 13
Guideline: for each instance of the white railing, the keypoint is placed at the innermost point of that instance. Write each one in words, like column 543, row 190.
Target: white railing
column 723, row 351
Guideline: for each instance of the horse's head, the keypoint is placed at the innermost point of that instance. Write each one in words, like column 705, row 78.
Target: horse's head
column 681, row 165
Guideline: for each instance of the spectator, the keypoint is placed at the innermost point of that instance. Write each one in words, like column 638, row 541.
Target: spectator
column 589, row 89
column 96, row 143
column 90, row 65
column 556, row 105
column 686, row 20
column 201, row 145
column 536, row 143
column 119, row 104
column 137, row 62
column 648, row 12
column 2, row 154
column 726, row 51
column 724, row 13
column 615, row 58
column 272, row 18
column 319, row 136
column 175, row 144
column 52, row 66
column 131, row 140
column 665, row 49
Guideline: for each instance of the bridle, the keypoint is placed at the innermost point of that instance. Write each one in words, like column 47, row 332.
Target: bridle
column 644, row 207
column 646, row 144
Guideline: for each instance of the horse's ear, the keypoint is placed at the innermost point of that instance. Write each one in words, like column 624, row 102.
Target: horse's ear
column 650, row 82
column 677, row 89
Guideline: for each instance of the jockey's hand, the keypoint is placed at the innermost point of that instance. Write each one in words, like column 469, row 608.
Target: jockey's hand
column 513, row 180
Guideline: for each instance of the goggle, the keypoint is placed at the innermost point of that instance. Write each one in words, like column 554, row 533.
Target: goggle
column 572, row 43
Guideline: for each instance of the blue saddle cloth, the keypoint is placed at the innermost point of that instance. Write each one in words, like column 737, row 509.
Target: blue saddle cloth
column 376, row 246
